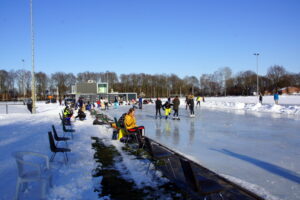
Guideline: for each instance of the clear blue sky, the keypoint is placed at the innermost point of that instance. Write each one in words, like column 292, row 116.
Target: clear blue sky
column 189, row 37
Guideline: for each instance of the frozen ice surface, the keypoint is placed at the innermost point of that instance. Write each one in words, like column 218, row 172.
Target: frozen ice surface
column 261, row 149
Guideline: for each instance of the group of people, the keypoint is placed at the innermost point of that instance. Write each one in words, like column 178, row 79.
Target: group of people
column 275, row 96
column 68, row 111
column 175, row 104
column 102, row 103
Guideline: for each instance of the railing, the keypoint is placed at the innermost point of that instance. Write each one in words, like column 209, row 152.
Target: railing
column 4, row 106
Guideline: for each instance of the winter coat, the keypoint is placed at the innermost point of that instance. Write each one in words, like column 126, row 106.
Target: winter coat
column 158, row 104
column 167, row 105
column 191, row 102
column 130, row 122
column 176, row 103
column 276, row 96
column 67, row 112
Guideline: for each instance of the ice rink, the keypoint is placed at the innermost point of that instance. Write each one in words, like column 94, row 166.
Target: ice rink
column 258, row 150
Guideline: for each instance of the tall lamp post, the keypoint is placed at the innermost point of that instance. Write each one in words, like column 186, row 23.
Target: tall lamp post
column 23, row 81
column 32, row 48
column 257, row 87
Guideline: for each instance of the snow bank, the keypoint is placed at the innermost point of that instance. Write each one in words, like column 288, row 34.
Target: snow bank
column 258, row 107
column 289, row 105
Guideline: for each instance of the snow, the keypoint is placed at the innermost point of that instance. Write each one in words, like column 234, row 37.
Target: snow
column 28, row 132
column 254, row 145
column 289, row 105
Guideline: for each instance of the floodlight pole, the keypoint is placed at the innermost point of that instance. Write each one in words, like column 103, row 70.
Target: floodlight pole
column 32, row 73
column 23, row 81
column 257, row 85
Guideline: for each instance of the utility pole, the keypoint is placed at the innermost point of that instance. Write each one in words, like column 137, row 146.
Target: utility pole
column 33, row 77
column 23, row 80
column 257, row 85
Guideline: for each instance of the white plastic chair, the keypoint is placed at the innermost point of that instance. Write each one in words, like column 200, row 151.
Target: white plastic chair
column 29, row 170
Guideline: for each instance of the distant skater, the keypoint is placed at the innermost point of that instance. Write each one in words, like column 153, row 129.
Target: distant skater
column 260, row 98
column 176, row 103
column 140, row 102
column 186, row 102
column 158, row 105
column 276, row 97
column 191, row 105
column 116, row 103
column 198, row 101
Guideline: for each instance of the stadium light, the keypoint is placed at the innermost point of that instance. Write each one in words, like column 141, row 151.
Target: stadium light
column 257, row 85
column 33, row 97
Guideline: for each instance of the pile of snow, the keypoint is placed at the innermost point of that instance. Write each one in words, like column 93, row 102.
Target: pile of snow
column 289, row 105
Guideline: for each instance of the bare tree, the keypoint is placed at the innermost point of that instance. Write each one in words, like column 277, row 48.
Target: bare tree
column 41, row 80
column 63, row 82
column 3, row 84
column 275, row 74
column 23, row 78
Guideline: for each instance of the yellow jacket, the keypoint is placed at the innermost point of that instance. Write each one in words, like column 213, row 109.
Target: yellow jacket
column 130, row 122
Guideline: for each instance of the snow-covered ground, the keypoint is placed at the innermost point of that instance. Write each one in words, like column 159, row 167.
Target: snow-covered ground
column 258, row 149
column 23, row 131
column 288, row 104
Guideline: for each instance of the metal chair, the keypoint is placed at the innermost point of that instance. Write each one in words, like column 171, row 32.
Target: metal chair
column 30, row 171
column 55, row 149
column 68, row 130
column 57, row 138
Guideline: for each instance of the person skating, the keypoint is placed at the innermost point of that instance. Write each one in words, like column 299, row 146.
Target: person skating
column 191, row 105
column 198, row 101
column 140, row 102
column 116, row 102
column 260, row 98
column 167, row 108
column 276, row 97
column 169, row 99
column 158, row 105
column 176, row 103
column 186, row 102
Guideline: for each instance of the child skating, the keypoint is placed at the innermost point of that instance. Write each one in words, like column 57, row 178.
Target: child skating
column 167, row 108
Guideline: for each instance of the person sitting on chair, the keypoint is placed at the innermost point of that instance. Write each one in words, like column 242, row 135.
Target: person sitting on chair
column 81, row 115
column 130, row 125
column 68, row 114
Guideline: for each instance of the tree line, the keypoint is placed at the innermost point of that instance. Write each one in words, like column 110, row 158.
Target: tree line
column 17, row 84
